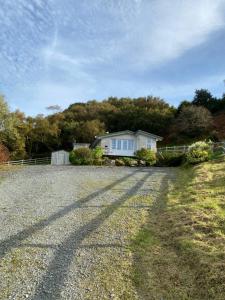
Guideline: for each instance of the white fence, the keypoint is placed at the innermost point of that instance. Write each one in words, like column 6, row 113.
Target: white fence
column 31, row 161
column 184, row 148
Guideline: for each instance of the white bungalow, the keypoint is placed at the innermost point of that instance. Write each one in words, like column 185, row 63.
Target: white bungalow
column 126, row 143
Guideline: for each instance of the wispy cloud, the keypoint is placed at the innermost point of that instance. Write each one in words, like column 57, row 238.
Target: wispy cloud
column 54, row 51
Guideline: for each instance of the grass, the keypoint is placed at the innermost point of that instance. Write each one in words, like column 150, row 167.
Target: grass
column 113, row 272
column 180, row 252
column 6, row 168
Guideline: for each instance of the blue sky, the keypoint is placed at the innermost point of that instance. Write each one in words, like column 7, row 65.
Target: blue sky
column 61, row 52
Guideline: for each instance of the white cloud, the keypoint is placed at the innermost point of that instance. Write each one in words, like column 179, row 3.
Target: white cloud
column 141, row 34
column 164, row 30
column 71, row 50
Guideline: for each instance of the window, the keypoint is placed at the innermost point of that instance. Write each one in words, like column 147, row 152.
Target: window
column 149, row 144
column 124, row 144
column 118, row 144
column 130, row 145
column 113, row 144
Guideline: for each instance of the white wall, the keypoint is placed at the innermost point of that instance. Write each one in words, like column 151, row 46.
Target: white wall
column 106, row 144
column 140, row 141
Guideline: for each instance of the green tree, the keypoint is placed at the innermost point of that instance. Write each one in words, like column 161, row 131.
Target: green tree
column 42, row 135
column 10, row 134
column 86, row 131
column 194, row 122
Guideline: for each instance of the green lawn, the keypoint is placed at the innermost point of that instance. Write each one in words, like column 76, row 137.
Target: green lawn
column 180, row 251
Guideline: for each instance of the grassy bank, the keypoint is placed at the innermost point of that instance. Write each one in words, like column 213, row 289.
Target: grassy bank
column 180, row 252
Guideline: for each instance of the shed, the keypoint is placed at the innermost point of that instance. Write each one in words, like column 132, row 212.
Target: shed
column 60, row 158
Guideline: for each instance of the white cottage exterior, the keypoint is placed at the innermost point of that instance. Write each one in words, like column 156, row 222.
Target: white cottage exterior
column 126, row 143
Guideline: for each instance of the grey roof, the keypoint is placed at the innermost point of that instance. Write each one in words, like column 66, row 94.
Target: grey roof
column 141, row 132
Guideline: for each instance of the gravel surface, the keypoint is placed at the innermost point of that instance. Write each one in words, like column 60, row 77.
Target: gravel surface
column 65, row 230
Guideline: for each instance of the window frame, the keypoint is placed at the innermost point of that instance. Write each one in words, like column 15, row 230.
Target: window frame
column 113, row 144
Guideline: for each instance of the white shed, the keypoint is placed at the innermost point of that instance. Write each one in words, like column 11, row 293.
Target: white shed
column 60, row 158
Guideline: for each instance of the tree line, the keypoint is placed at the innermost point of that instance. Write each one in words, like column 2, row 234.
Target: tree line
column 201, row 118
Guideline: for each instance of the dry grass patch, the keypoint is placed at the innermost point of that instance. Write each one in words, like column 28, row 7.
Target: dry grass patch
column 180, row 252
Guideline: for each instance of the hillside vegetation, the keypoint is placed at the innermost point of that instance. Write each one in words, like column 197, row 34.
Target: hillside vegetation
column 180, row 252
column 198, row 119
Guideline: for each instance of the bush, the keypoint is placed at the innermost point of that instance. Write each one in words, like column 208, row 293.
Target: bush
column 81, row 156
column 198, row 152
column 147, row 155
column 98, row 162
column 218, row 152
column 97, row 152
column 169, row 159
column 197, row 156
column 130, row 162
column 119, row 162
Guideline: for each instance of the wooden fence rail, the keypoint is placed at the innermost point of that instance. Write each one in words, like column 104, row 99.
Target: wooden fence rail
column 31, row 161
column 184, row 148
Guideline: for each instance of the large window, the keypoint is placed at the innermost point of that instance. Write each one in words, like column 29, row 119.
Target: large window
column 118, row 145
column 125, row 144
column 130, row 145
column 122, row 144
column 113, row 144
column 149, row 144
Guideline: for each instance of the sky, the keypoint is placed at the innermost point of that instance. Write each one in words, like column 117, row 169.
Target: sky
column 55, row 52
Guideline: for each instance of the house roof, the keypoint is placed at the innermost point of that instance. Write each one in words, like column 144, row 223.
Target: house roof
column 118, row 133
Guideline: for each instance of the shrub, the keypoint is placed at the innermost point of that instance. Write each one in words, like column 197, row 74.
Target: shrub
column 81, row 156
column 147, row 155
column 218, row 153
column 197, row 156
column 130, row 162
column 119, row 162
column 198, row 152
column 98, row 161
column 97, row 152
column 107, row 161
column 169, row 159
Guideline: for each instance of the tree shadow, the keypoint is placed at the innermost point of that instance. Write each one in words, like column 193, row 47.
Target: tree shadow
column 88, row 246
column 53, row 280
column 144, row 238
column 15, row 240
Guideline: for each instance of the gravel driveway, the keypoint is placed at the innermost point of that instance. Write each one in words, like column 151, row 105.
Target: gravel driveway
column 65, row 231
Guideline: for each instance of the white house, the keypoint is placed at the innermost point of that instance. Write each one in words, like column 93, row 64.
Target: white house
column 126, row 143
